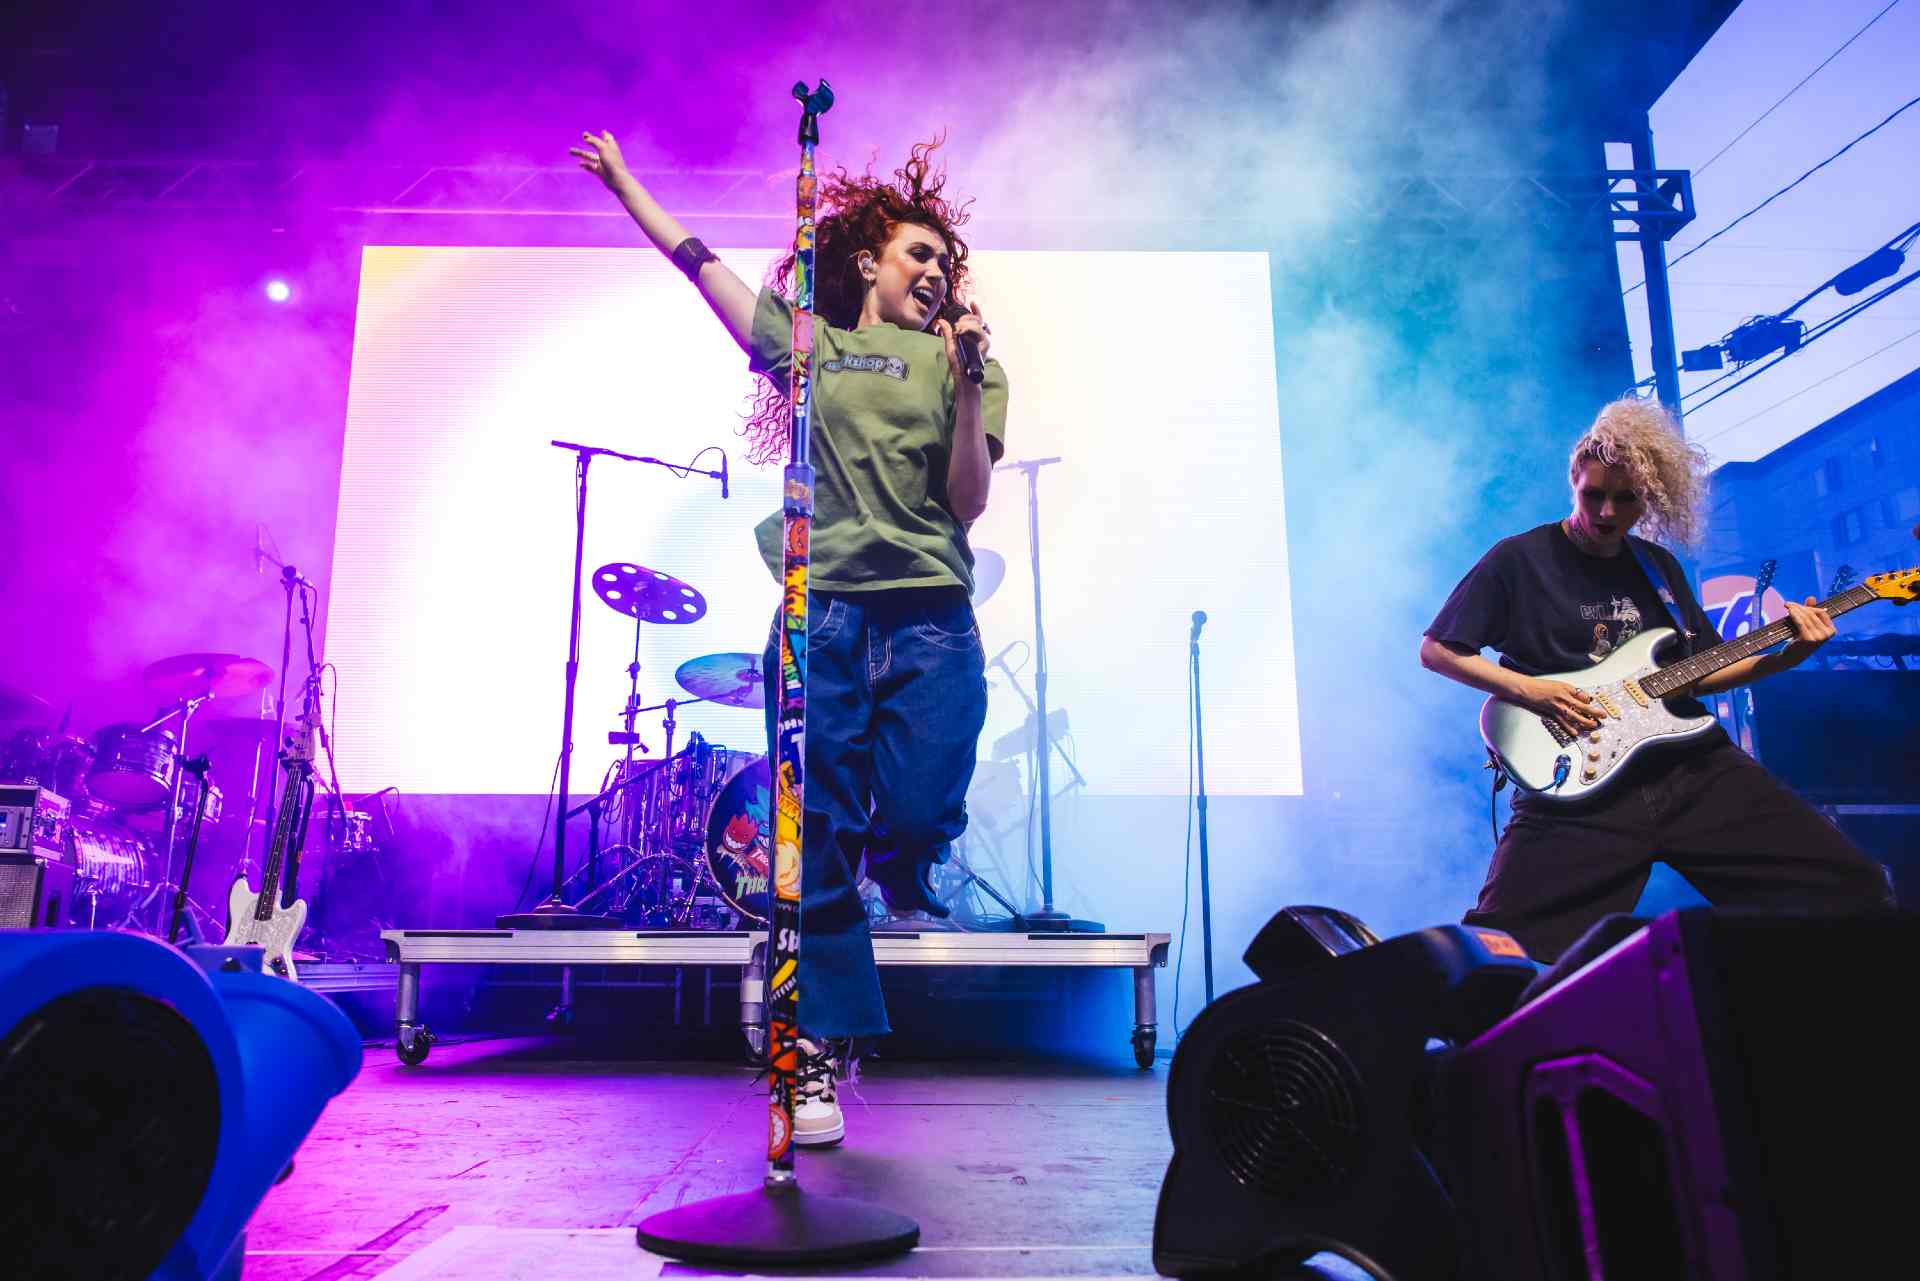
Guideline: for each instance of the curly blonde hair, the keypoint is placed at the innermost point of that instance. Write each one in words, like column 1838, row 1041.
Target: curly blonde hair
column 1669, row 470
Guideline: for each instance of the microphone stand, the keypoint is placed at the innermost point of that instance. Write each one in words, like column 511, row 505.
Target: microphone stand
column 554, row 912
column 1048, row 919
column 1200, row 774
column 781, row 1225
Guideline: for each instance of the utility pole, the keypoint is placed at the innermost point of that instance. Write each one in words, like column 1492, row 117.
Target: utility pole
column 1653, row 236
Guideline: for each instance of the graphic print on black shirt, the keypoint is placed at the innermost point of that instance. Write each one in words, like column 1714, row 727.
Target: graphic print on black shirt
column 1549, row 608
column 1615, row 622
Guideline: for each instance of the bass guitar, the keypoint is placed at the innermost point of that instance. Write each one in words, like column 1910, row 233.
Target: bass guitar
column 259, row 920
column 1629, row 692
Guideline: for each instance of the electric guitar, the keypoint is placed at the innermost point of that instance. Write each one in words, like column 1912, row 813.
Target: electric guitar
column 258, row 920
column 1628, row 690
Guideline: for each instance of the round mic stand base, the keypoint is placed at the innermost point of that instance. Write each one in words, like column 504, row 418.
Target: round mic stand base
column 553, row 915
column 778, row 1225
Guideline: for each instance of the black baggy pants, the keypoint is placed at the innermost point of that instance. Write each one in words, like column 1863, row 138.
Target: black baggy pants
column 1709, row 811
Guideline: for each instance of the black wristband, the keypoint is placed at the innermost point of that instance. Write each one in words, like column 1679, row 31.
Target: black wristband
column 690, row 255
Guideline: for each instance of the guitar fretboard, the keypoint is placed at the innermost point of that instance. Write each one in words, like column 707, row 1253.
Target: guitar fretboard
column 1676, row 677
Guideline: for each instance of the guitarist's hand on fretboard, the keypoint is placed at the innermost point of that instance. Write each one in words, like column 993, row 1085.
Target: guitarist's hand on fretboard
column 1812, row 628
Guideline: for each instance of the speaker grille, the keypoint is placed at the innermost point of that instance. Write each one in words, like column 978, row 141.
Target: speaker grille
column 1284, row 1109
column 110, row 1128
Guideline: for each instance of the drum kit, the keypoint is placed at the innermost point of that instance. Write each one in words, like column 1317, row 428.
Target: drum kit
column 690, row 832
column 661, row 870
column 132, row 790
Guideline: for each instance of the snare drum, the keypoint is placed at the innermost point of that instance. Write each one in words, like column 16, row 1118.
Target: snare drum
column 739, row 839
column 131, row 766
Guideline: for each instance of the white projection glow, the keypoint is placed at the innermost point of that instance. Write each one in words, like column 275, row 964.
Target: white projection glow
column 1151, row 375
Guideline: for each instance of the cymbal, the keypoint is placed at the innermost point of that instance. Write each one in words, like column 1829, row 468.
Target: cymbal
column 989, row 571
column 647, row 594
column 204, row 675
column 19, row 705
column 733, row 679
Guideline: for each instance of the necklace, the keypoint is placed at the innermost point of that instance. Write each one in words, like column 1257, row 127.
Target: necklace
column 1579, row 538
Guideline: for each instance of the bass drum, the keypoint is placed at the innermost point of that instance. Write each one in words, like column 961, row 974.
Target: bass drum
column 740, row 840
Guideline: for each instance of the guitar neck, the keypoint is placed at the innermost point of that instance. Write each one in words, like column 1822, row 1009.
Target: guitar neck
column 1688, row 671
column 286, row 826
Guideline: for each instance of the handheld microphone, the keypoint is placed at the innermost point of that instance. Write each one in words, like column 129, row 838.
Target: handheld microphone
column 723, row 473
column 1199, row 621
column 953, row 313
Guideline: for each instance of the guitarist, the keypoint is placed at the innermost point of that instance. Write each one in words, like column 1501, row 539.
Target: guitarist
column 1559, row 598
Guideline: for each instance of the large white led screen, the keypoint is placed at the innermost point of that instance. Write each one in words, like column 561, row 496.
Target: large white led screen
column 1150, row 375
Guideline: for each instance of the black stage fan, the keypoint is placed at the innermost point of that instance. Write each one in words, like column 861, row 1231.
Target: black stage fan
column 1297, row 1105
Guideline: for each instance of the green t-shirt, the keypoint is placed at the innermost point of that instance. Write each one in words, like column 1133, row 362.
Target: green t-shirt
column 882, row 434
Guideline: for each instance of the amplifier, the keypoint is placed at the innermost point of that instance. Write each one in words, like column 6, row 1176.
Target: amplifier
column 33, row 893
column 33, row 820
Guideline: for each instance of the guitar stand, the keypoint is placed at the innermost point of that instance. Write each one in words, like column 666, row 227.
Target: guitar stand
column 197, row 767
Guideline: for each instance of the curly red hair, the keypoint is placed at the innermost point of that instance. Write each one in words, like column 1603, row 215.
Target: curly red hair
column 858, row 214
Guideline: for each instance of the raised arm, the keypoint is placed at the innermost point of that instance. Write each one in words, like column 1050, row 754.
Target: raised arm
column 731, row 298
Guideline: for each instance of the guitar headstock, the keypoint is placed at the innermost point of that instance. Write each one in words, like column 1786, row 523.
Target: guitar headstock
column 1897, row 585
column 1764, row 580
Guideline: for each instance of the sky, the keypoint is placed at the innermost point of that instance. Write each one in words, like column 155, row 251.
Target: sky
column 1838, row 216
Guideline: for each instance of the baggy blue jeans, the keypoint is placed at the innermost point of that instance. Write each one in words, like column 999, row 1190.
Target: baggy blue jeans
column 896, row 698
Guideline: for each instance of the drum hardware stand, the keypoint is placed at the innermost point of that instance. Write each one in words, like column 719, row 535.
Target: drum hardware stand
column 555, row 913
column 593, row 806
column 781, row 1224
column 184, row 709
column 1017, row 920
column 628, row 738
column 1047, row 919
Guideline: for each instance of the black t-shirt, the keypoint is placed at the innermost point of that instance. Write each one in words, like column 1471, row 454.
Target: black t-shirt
column 1549, row 608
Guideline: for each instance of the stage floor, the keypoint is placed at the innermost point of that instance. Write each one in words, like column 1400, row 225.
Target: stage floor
column 505, row 1159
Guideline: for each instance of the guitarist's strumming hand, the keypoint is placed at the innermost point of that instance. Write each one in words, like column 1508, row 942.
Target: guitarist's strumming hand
column 1568, row 704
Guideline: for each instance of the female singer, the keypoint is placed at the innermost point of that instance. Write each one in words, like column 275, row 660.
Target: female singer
column 903, row 448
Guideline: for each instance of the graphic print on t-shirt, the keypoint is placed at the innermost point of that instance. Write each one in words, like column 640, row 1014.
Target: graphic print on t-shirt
column 1615, row 622
column 891, row 366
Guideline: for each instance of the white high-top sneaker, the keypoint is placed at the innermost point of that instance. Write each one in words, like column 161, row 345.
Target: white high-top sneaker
column 817, row 1119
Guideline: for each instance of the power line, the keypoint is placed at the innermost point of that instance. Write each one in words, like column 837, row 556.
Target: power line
column 1911, row 102
column 1809, row 387
column 1796, row 89
column 1812, row 336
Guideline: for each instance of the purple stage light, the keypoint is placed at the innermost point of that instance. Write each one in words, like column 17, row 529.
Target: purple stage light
column 278, row 291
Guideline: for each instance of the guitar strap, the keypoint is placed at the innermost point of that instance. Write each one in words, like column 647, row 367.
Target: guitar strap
column 1651, row 568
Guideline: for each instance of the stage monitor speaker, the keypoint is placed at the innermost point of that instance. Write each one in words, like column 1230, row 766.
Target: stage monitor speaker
column 1717, row 1097
column 1297, row 1105
column 33, row 892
